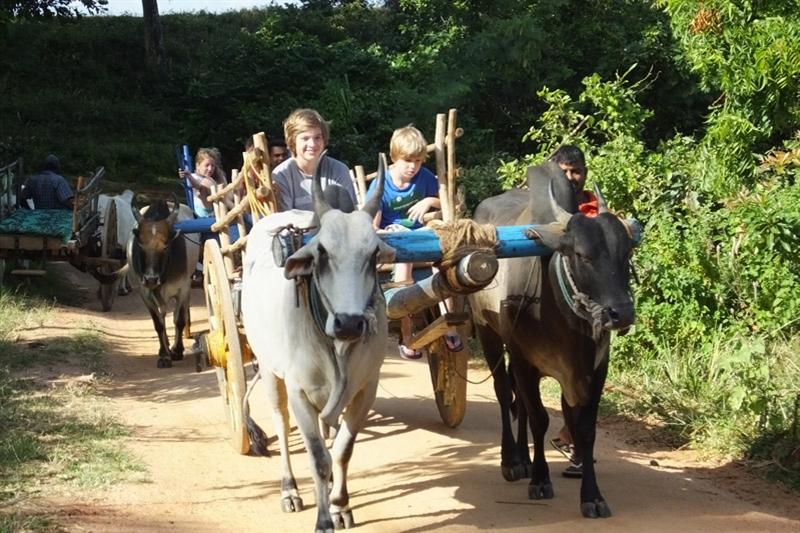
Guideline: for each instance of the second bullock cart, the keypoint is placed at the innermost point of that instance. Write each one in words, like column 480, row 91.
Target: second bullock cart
column 82, row 236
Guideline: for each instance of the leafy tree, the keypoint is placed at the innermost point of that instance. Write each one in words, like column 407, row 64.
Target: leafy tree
column 747, row 53
column 52, row 8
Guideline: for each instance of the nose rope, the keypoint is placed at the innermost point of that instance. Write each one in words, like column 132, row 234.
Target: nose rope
column 580, row 303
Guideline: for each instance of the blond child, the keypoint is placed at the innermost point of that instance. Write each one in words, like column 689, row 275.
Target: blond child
column 208, row 172
column 410, row 190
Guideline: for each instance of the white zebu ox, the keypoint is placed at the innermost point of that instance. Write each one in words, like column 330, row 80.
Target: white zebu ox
column 326, row 373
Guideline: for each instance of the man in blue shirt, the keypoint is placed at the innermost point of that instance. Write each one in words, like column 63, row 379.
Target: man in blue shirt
column 48, row 189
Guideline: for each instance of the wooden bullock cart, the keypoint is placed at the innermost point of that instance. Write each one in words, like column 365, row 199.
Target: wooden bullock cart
column 36, row 236
column 225, row 344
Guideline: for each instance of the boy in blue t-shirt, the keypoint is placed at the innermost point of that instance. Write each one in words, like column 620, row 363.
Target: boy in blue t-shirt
column 410, row 190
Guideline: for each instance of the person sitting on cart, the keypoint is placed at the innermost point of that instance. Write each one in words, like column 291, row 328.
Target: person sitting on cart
column 410, row 191
column 278, row 152
column 307, row 136
column 208, row 172
column 48, row 189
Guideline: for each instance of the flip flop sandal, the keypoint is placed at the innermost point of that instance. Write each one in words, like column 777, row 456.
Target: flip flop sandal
column 453, row 343
column 574, row 471
column 562, row 447
column 409, row 354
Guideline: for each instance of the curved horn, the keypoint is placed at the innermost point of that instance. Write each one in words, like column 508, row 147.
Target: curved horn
column 320, row 205
column 602, row 207
column 136, row 214
column 176, row 207
column 562, row 215
column 374, row 204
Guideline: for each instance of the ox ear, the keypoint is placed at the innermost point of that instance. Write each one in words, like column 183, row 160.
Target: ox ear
column 386, row 253
column 299, row 263
column 547, row 234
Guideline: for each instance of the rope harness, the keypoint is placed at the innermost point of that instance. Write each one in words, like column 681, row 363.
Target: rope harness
column 458, row 239
column 255, row 165
column 580, row 303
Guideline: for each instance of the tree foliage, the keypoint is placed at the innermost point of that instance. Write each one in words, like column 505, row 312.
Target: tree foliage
column 686, row 109
column 52, row 8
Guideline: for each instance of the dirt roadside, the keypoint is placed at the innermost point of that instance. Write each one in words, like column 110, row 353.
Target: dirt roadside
column 409, row 472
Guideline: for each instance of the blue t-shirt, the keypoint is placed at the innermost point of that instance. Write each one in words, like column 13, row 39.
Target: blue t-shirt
column 396, row 202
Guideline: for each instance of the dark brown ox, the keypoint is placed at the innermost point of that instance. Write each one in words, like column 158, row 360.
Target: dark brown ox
column 161, row 263
column 554, row 316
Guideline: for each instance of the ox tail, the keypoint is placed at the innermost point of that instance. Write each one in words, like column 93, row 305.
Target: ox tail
column 335, row 405
column 258, row 438
column 107, row 278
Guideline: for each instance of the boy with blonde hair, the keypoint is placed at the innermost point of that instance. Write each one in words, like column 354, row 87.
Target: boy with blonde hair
column 410, row 190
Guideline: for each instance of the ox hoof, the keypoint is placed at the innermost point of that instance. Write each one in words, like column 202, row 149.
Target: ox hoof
column 515, row 473
column 343, row 519
column 540, row 491
column 595, row 509
column 163, row 362
column 323, row 526
column 291, row 504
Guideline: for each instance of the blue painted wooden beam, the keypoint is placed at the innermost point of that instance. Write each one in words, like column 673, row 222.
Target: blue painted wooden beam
column 423, row 245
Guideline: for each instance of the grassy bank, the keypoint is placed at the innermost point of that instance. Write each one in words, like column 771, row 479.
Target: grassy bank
column 56, row 433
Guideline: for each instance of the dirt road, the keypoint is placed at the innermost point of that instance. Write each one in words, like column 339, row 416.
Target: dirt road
column 409, row 472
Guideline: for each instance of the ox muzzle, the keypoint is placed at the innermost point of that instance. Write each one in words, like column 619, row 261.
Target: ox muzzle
column 348, row 327
column 618, row 317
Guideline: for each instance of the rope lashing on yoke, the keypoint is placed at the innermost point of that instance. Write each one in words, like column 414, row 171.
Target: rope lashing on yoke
column 457, row 240
column 254, row 165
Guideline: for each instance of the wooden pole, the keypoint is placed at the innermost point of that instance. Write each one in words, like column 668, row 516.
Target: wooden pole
column 451, row 161
column 441, row 167
column 361, row 181
column 220, row 212
column 76, row 201
column 266, row 191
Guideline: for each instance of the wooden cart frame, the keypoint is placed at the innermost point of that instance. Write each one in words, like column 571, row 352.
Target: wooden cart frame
column 90, row 245
column 225, row 345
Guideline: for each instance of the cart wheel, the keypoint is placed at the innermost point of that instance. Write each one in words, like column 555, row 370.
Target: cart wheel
column 108, row 244
column 449, row 379
column 223, row 328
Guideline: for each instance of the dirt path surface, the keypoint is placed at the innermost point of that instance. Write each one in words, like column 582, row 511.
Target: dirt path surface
column 409, row 472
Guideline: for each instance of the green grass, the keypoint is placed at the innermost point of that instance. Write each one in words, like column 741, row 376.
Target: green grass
column 17, row 522
column 55, row 435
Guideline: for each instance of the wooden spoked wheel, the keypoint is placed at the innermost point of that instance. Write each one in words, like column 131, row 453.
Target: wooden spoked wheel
column 224, row 346
column 448, row 376
column 108, row 244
